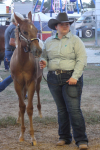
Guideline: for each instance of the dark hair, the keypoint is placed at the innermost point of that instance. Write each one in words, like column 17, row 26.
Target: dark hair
column 56, row 24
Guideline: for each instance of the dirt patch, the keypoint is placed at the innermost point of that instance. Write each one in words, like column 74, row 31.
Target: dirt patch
column 46, row 135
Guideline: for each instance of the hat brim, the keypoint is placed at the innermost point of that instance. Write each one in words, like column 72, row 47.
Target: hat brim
column 53, row 22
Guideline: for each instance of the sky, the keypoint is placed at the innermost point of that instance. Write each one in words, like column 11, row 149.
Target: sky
column 8, row 2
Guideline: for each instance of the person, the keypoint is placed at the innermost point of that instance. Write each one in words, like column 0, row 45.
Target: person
column 65, row 57
column 1, row 79
column 9, row 48
column 10, row 40
column 5, row 83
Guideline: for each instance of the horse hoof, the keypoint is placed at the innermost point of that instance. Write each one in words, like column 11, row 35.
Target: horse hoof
column 18, row 121
column 21, row 139
column 40, row 115
column 34, row 143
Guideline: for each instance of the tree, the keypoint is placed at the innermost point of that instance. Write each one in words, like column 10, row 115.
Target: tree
column 1, row 1
column 91, row 4
column 47, row 4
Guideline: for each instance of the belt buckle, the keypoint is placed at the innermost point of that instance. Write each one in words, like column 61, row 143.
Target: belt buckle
column 56, row 73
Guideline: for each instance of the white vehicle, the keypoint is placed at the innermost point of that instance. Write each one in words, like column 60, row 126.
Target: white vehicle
column 86, row 24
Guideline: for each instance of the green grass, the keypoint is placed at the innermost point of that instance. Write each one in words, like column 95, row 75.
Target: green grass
column 92, row 117
column 92, row 67
column 4, row 122
column 94, row 75
column 91, row 81
column 88, row 39
column 45, row 120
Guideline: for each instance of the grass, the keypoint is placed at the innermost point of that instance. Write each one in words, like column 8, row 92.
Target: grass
column 4, row 122
column 92, row 75
column 88, row 39
column 92, row 117
column 92, row 81
column 46, row 120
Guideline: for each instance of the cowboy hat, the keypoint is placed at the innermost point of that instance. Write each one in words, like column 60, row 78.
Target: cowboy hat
column 61, row 18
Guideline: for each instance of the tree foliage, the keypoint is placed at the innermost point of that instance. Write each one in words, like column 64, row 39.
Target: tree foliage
column 91, row 4
column 47, row 4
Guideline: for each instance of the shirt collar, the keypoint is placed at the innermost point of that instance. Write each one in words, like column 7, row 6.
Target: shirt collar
column 68, row 35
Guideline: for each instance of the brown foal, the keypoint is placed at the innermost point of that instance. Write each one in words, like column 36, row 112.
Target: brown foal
column 25, row 70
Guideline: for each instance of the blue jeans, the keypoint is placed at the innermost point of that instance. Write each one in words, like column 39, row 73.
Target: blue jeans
column 8, row 55
column 5, row 83
column 68, row 99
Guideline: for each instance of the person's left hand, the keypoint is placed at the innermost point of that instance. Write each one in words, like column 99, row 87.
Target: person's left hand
column 72, row 81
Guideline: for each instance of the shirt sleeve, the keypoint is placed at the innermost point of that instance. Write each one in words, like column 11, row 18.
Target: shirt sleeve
column 12, row 34
column 81, row 59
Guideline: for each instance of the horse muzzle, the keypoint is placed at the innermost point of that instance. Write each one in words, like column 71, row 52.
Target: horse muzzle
column 37, row 52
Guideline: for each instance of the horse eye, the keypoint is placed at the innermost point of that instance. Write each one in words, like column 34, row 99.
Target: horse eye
column 26, row 33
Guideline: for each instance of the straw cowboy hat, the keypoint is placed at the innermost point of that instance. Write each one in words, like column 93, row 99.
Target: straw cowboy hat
column 61, row 18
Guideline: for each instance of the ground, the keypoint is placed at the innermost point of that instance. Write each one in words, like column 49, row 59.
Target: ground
column 46, row 129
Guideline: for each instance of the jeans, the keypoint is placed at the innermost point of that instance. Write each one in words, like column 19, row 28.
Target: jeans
column 8, row 55
column 5, row 83
column 68, row 99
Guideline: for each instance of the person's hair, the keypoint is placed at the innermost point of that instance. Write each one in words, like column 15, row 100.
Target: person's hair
column 18, row 14
column 56, row 24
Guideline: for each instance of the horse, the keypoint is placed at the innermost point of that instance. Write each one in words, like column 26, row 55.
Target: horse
column 25, row 70
column 2, row 42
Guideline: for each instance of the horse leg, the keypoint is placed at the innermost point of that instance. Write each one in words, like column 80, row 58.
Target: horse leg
column 19, row 117
column 22, row 107
column 31, row 91
column 19, row 113
column 38, row 96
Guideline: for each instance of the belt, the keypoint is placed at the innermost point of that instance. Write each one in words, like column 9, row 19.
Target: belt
column 57, row 72
column 10, row 50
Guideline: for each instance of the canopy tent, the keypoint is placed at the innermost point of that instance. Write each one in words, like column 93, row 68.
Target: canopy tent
column 40, row 16
column 40, row 21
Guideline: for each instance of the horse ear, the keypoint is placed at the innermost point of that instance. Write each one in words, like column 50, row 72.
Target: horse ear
column 30, row 15
column 17, row 19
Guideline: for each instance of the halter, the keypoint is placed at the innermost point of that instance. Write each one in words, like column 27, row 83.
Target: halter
column 26, row 40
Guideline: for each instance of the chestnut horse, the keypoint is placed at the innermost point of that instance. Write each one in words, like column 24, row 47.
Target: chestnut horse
column 25, row 70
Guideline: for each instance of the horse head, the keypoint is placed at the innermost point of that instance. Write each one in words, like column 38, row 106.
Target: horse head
column 27, row 33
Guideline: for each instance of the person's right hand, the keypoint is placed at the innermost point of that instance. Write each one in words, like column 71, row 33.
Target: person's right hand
column 42, row 64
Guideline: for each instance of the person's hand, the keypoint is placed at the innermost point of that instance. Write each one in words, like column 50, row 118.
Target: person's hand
column 7, row 60
column 72, row 81
column 42, row 64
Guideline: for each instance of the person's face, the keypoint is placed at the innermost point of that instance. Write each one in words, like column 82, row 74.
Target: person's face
column 63, row 28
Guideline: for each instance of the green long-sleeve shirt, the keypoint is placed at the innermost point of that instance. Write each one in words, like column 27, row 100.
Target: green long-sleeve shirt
column 67, row 53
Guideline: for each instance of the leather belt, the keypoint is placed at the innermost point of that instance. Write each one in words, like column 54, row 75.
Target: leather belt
column 57, row 72
column 11, row 50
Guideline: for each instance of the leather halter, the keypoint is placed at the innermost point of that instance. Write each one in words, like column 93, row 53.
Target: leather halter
column 26, row 40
